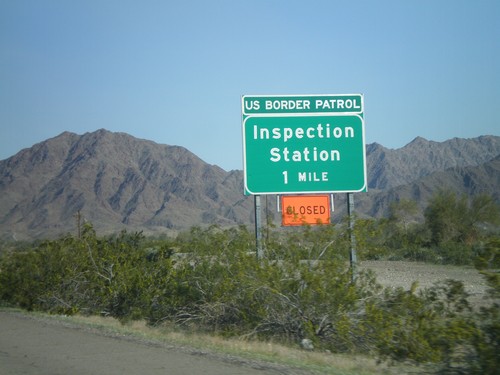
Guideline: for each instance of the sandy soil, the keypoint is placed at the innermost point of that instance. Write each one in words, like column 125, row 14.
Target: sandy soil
column 403, row 274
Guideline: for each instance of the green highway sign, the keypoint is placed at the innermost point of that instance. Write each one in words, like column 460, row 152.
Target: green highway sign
column 303, row 144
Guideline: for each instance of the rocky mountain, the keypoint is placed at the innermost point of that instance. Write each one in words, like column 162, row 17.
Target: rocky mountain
column 120, row 182
column 389, row 168
column 467, row 180
column 117, row 182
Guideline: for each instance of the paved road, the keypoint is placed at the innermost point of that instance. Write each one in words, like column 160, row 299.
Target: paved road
column 37, row 346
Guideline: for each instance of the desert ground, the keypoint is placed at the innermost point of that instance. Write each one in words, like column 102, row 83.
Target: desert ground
column 403, row 274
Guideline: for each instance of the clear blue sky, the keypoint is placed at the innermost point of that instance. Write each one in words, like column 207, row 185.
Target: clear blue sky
column 174, row 71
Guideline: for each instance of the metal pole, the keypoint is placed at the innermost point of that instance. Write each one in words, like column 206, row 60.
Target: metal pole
column 352, row 237
column 258, row 225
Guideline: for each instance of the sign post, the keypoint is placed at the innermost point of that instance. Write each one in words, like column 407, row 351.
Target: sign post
column 302, row 144
column 258, row 227
column 352, row 238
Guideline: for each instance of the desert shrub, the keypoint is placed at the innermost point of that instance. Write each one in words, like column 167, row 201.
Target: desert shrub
column 45, row 278
column 372, row 238
column 484, row 358
column 20, row 279
column 416, row 253
column 431, row 326
column 210, row 279
column 108, row 276
column 455, row 219
column 453, row 253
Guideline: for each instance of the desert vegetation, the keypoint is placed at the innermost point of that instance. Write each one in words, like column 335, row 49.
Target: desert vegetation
column 209, row 280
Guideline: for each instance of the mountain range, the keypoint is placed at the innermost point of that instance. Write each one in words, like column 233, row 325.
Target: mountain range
column 120, row 182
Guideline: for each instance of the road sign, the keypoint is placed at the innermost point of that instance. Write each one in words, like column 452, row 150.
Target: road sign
column 303, row 144
column 305, row 209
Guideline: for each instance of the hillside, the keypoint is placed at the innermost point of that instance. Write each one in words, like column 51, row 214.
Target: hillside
column 117, row 182
column 389, row 168
column 120, row 182
column 468, row 181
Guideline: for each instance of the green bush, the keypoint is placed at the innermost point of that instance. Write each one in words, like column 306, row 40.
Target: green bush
column 210, row 279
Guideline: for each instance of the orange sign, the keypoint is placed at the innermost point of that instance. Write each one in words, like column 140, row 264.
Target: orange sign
column 305, row 209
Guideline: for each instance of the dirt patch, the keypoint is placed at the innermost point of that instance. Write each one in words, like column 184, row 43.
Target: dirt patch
column 403, row 274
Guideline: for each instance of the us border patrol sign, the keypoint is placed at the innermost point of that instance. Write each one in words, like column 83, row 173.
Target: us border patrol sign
column 303, row 144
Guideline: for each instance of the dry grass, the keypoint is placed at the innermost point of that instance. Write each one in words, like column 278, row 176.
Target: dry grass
column 248, row 350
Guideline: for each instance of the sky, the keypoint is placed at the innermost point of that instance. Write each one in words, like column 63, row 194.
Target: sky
column 174, row 71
